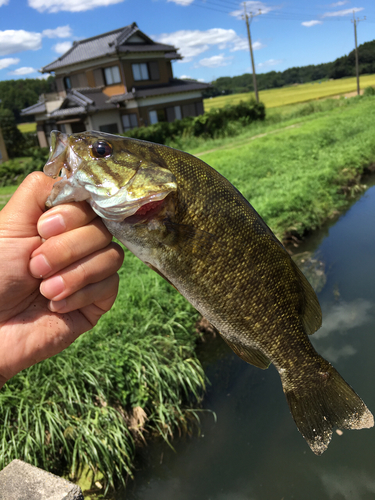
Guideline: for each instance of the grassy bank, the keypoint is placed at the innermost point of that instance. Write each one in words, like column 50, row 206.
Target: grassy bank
column 132, row 377
column 300, row 172
column 136, row 375
column 295, row 93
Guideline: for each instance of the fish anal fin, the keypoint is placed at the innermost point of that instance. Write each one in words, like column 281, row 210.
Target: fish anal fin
column 249, row 354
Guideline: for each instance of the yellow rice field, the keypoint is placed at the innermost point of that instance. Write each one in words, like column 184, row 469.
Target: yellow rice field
column 27, row 127
column 296, row 93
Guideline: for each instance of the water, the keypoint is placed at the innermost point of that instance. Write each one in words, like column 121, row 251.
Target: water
column 254, row 451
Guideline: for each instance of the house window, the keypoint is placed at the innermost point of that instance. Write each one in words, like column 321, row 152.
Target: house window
column 67, row 83
column 111, row 128
column 112, row 75
column 140, row 71
column 129, row 121
column 153, row 117
column 177, row 112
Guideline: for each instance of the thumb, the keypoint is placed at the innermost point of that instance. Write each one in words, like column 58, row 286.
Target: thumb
column 20, row 215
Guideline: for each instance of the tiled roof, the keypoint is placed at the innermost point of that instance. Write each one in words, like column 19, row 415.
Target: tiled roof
column 108, row 44
column 175, row 87
column 88, row 100
column 78, row 110
column 39, row 107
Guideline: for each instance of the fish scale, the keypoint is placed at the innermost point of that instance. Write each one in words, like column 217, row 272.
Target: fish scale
column 212, row 246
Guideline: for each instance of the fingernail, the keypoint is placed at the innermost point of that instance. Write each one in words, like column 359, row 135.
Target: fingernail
column 52, row 287
column 51, row 226
column 39, row 266
column 56, row 306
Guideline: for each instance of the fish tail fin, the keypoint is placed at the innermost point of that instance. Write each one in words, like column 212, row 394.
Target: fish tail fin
column 324, row 401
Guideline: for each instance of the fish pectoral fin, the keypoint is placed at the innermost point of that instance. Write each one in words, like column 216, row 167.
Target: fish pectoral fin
column 249, row 354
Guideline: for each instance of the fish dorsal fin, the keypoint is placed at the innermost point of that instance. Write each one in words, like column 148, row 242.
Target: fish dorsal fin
column 311, row 313
column 249, row 354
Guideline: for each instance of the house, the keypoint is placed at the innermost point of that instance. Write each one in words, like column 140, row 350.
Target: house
column 114, row 82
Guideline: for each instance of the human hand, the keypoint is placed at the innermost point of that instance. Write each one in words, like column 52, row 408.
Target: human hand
column 58, row 273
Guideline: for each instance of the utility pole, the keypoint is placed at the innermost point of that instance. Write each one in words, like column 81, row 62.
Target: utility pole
column 355, row 22
column 247, row 17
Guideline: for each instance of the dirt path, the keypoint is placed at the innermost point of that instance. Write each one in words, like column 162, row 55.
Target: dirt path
column 235, row 144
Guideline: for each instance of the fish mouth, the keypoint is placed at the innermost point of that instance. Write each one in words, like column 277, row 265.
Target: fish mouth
column 141, row 196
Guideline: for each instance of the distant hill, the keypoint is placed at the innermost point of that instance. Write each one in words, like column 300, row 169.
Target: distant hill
column 340, row 68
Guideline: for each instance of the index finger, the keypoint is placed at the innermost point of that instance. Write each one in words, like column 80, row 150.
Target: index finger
column 64, row 218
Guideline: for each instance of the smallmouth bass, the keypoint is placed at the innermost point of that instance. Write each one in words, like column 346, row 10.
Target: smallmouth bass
column 189, row 224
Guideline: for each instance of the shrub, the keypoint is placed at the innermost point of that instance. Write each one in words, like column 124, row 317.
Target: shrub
column 15, row 170
column 211, row 124
column 369, row 91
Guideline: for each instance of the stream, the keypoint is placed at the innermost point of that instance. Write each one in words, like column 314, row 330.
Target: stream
column 253, row 450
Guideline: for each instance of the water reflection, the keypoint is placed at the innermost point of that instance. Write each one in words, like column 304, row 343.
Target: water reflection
column 348, row 485
column 254, row 451
column 345, row 316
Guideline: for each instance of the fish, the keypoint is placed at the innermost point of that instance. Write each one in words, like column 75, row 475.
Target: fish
column 188, row 223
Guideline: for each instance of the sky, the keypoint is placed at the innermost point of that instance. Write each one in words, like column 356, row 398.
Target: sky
column 210, row 34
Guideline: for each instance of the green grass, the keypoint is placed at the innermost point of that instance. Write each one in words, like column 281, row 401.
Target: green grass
column 27, row 127
column 75, row 410
column 298, row 177
column 5, row 194
column 294, row 94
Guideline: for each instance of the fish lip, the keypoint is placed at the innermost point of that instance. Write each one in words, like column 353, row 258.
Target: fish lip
column 119, row 216
column 57, row 156
column 148, row 216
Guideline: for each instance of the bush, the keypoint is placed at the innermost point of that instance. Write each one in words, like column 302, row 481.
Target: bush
column 15, row 170
column 369, row 91
column 214, row 123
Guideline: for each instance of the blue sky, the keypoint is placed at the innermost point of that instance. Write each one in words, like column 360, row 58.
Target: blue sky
column 210, row 34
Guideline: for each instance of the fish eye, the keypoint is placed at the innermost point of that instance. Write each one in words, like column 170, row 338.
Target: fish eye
column 101, row 149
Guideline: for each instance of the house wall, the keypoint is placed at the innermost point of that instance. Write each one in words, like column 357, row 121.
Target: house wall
column 189, row 107
column 106, row 118
column 164, row 67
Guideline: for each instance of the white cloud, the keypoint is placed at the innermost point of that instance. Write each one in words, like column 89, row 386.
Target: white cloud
column 253, row 7
column 4, row 63
column 60, row 32
column 270, row 62
column 194, row 42
column 182, row 2
column 215, row 61
column 308, row 24
column 3, row 2
column 62, row 47
column 339, row 4
column 12, row 41
column 23, row 71
column 53, row 6
column 344, row 12
column 185, row 77
column 242, row 43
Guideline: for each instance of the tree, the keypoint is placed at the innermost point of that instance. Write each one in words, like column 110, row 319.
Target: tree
column 13, row 138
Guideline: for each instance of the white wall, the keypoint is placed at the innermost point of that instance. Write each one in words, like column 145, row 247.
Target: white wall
column 106, row 118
